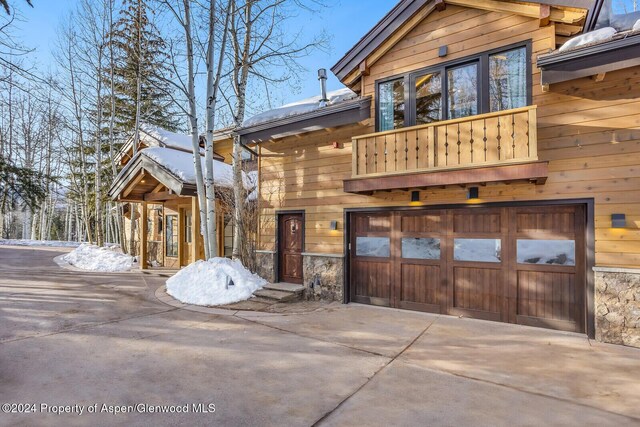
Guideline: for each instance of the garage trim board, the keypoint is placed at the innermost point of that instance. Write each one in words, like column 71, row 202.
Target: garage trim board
column 524, row 263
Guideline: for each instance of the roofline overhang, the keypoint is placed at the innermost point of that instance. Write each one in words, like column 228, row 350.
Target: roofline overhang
column 405, row 9
column 344, row 113
column 591, row 60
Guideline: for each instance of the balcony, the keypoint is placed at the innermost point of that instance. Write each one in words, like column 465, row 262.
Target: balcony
column 500, row 146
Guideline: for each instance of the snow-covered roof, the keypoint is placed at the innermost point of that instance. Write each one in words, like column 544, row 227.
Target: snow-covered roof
column 300, row 107
column 154, row 136
column 588, row 38
column 180, row 164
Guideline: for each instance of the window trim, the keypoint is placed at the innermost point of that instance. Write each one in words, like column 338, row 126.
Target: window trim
column 482, row 59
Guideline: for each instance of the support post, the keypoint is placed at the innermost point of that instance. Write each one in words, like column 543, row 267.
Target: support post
column 143, row 236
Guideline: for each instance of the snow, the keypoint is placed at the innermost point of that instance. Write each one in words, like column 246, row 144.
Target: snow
column 636, row 26
column 154, row 136
column 207, row 282
column 587, row 38
column 300, row 107
column 26, row 242
column 180, row 164
column 95, row 258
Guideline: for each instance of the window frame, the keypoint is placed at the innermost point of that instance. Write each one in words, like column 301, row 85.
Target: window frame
column 482, row 59
column 174, row 242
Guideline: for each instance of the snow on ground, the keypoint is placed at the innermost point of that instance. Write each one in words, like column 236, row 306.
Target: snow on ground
column 27, row 242
column 207, row 282
column 95, row 258
column 300, row 107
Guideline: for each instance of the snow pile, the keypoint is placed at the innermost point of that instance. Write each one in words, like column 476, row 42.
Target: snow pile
column 208, row 282
column 300, row 107
column 154, row 136
column 95, row 258
column 27, row 242
column 588, row 38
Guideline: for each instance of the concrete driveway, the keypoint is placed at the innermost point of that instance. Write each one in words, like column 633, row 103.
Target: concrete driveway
column 86, row 340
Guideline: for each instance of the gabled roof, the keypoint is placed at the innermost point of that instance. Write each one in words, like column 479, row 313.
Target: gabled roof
column 409, row 13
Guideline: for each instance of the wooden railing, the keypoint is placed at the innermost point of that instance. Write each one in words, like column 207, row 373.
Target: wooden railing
column 483, row 140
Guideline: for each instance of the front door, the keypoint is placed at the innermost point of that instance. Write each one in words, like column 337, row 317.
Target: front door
column 290, row 242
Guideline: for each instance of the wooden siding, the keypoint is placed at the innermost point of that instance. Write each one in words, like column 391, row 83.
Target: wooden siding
column 588, row 131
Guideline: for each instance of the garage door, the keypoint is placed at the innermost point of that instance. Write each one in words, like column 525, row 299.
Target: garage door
column 521, row 265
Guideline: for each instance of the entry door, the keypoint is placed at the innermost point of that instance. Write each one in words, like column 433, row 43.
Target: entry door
column 290, row 243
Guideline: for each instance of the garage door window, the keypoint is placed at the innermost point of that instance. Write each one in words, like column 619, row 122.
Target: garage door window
column 480, row 250
column 553, row 252
column 373, row 246
column 417, row 248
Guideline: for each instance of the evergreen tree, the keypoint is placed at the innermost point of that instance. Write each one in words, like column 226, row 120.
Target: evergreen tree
column 140, row 51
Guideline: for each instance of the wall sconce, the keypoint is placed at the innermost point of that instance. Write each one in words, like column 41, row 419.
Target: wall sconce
column 333, row 225
column 415, row 196
column 618, row 220
column 472, row 193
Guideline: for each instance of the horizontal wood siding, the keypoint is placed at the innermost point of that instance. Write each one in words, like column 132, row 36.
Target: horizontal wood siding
column 588, row 131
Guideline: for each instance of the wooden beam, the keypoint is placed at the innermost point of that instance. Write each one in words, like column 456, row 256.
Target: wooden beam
column 568, row 30
column 363, row 68
column 158, row 188
column 545, row 15
column 440, row 5
column 132, row 184
column 537, row 171
column 530, row 10
column 598, row 77
column 567, row 16
column 143, row 236
column 161, row 196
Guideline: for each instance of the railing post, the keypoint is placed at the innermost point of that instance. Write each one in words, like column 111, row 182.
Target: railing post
column 432, row 148
column 533, row 133
column 354, row 157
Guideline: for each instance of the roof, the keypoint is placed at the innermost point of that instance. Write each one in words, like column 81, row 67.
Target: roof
column 405, row 10
column 174, row 169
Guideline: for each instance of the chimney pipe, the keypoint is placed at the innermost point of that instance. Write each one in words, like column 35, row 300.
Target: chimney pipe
column 322, row 76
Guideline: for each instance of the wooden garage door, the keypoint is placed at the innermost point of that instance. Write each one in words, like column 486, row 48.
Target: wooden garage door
column 512, row 264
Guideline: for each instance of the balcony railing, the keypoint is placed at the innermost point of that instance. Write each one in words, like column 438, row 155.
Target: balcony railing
column 498, row 138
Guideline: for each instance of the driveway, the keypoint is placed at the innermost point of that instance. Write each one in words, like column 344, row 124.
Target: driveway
column 97, row 342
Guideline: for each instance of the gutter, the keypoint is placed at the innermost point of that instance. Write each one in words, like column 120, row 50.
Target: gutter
column 550, row 59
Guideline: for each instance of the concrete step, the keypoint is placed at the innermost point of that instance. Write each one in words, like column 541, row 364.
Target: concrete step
column 276, row 295
column 286, row 287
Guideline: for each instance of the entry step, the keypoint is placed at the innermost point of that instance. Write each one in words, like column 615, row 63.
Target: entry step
column 286, row 287
column 277, row 295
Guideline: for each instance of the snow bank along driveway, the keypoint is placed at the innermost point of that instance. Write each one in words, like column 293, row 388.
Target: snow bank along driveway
column 95, row 258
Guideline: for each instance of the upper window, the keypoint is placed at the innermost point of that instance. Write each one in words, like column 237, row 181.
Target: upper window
column 492, row 81
column 391, row 104
column 619, row 14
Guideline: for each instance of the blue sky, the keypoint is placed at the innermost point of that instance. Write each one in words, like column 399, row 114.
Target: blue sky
column 346, row 21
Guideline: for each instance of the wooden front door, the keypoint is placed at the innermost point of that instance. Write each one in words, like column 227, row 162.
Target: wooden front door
column 290, row 246
column 523, row 265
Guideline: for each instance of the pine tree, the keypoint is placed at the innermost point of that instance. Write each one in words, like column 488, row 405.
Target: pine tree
column 140, row 51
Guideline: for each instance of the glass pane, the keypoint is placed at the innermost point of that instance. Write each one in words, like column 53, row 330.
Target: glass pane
column 391, row 105
column 418, row 248
column 171, row 235
column 462, row 91
column 483, row 250
column 508, row 80
column 619, row 14
column 556, row 252
column 428, row 98
column 373, row 246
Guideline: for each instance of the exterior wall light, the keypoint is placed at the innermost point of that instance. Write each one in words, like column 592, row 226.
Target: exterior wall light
column 333, row 225
column 472, row 193
column 415, row 196
column 618, row 220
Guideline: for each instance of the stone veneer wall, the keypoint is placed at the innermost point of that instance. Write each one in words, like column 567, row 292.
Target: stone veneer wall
column 617, row 305
column 329, row 270
column 265, row 261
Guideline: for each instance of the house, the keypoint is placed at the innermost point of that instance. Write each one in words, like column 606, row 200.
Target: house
column 480, row 162
column 158, row 179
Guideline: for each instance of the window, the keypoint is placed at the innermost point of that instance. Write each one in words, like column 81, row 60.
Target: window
column 428, row 89
column 462, row 91
column 417, row 248
column 553, row 252
column 171, row 235
column 481, row 250
column 619, row 14
column 187, row 228
column 508, row 80
column 373, row 247
column 492, row 81
column 391, row 104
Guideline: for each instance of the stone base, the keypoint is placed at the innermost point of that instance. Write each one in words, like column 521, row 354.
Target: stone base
column 265, row 265
column 617, row 306
column 323, row 277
